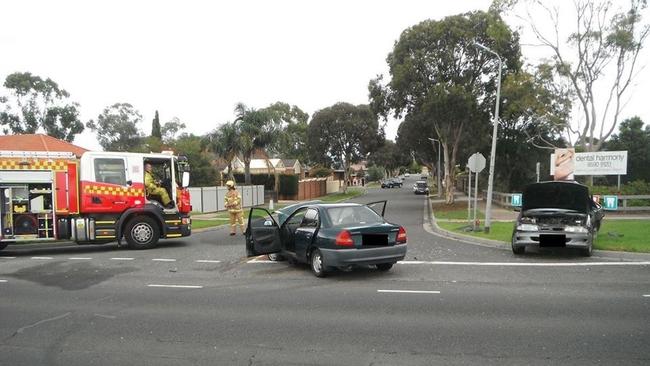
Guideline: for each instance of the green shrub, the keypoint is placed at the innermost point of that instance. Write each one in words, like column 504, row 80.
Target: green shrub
column 267, row 180
column 320, row 172
column 375, row 173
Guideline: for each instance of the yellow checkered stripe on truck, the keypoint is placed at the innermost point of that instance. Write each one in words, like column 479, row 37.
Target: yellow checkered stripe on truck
column 33, row 164
column 114, row 191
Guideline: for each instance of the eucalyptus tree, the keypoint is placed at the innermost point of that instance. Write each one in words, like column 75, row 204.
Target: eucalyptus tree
column 117, row 128
column 598, row 58
column 343, row 134
column 35, row 104
column 442, row 84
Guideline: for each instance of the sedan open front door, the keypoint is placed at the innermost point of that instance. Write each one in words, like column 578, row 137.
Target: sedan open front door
column 262, row 234
column 379, row 207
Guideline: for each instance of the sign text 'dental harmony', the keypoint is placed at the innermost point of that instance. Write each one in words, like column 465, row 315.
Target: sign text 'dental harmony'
column 598, row 163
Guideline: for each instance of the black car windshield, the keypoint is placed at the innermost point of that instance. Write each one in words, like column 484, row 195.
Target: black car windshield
column 566, row 196
column 421, row 184
column 353, row 215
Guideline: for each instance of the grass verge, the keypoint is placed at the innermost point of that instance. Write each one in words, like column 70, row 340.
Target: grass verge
column 337, row 197
column 457, row 211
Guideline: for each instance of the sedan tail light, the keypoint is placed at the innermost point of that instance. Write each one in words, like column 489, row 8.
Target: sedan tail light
column 344, row 239
column 401, row 235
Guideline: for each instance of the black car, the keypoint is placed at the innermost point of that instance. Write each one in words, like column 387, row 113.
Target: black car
column 328, row 236
column 391, row 183
column 557, row 214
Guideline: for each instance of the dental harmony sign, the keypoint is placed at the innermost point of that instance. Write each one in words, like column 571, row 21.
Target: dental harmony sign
column 597, row 163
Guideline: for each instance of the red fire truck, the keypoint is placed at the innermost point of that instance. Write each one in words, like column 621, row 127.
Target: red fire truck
column 49, row 196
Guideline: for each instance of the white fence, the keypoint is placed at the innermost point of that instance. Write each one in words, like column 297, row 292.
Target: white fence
column 211, row 199
column 334, row 186
column 505, row 200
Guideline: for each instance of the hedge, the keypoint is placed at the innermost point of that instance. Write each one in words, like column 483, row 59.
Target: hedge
column 288, row 185
column 267, row 180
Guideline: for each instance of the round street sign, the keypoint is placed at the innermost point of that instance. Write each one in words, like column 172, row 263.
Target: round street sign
column 476, row 163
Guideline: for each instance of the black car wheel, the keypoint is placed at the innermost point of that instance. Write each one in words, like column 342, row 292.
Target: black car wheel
column 517, row 249
column 588, row 251
column 383, row 267
column 317, row 263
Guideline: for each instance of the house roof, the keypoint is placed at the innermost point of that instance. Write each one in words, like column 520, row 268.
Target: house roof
column 289, row 162
column 38, row 142
column 261, row 163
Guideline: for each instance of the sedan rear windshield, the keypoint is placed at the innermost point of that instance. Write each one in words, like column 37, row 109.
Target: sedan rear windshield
column 353, row 215
column 421, row 184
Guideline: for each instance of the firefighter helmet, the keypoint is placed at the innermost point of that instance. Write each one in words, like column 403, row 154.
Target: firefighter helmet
column 230, row 184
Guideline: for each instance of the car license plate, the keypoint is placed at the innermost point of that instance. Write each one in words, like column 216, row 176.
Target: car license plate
column 552, row 240
column 374, row 240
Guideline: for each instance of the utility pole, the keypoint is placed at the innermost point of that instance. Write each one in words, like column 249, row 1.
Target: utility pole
column 488, row 204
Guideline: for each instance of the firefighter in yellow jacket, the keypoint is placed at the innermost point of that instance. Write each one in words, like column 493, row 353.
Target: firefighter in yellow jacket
column 233, row 204
column 154, row 189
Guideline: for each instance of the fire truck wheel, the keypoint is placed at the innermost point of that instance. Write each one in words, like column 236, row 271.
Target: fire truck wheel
column 142, row 232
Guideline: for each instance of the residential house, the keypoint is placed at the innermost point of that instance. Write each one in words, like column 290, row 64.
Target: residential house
column 293, row 166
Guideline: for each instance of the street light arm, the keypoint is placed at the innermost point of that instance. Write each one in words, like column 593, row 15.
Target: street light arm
column 486, row 49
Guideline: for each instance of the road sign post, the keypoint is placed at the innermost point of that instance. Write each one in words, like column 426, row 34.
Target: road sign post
column 476, row 164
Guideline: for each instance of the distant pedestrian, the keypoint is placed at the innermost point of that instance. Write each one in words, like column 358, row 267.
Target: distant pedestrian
column 233, row 204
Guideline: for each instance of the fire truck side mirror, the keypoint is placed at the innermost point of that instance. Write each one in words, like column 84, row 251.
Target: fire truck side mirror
column 129, row 182
column 185, row 179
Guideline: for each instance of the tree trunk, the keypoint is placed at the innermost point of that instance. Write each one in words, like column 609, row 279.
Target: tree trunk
column 449, row 176
column 247, row 171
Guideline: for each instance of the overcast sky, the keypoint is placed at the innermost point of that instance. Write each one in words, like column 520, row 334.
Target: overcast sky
column 196, row 59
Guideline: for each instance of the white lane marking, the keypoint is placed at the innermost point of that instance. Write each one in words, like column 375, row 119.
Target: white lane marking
column 207, row 261
column 175, row 286
column 643, row 295
column 164, row 260
column 79, row 258
column 3, row 281
column 7, row 257
column 530, row 264
column 122, row 259
column 42, row 258
column 407, row 292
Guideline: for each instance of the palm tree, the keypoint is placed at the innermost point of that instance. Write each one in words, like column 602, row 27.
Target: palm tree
column 225, row 143
column 257, row 130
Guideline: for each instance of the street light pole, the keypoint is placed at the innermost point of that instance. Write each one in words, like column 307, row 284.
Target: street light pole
column 438, row 170
column 488, row 203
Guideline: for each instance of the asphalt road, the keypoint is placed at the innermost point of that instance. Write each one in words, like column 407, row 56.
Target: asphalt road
column 450, row 302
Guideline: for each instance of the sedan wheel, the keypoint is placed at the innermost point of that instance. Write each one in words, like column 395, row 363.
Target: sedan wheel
column 317, row 264
column 383, row 267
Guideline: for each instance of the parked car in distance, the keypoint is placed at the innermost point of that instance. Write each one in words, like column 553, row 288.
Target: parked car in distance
column 420, row 187
column 328, row 236
column 557, row 214
column 391, row 183
column 407, row 175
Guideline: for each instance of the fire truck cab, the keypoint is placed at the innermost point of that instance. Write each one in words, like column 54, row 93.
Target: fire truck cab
column 99, row 198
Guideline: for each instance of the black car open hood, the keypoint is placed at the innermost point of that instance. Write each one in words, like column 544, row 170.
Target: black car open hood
column 560, row 195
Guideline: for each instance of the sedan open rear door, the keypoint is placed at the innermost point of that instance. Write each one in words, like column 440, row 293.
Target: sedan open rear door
column 262, row 234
